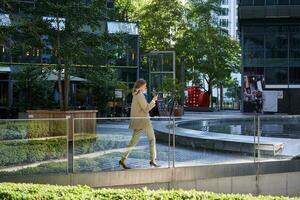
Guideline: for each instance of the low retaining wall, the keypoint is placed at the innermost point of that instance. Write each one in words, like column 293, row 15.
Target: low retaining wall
column 269, row 178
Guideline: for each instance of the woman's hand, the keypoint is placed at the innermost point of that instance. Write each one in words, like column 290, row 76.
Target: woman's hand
column 155, row 98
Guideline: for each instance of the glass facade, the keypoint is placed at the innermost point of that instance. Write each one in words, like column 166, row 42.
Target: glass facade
column 125, row 60
column 273, row 51
column 268, row 2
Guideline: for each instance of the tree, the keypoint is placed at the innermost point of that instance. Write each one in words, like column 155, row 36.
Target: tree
column 207, row 49
column 71, row 31
column 33, row 88
column 233, row 89
column 159, row 21
column 102, row 82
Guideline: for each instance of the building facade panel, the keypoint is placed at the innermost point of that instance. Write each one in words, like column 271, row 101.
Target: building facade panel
column 270, row 40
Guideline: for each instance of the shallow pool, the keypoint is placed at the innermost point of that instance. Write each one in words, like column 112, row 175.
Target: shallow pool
column 271, row 127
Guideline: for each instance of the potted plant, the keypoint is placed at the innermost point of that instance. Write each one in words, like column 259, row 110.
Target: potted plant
column 172, row 91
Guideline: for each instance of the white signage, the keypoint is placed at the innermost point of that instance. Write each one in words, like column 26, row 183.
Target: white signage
column 118, row 94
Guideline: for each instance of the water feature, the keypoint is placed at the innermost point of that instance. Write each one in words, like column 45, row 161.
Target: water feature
column 271, row 127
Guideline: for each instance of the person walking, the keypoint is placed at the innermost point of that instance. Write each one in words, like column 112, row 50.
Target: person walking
column 140, row 121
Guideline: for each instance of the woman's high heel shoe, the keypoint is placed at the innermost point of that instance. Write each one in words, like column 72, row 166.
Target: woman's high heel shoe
column 121, row 163
column 154, row 164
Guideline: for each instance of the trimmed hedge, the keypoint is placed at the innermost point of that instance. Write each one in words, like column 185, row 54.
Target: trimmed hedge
column 36, row 191
column 31, row 151
column 32, row 129
column 12, row 130
column 107, row 162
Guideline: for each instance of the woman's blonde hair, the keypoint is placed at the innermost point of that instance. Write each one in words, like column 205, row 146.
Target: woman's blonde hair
column 137, row 85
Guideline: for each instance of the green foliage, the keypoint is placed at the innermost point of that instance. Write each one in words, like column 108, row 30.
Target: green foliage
column 103, row 162
column 208, row 51
column 12, row 130
column 38, row 129
column 30, row 151
column 124, row 10
column 159, row 22
column 37, row 191
column 233, row 89
column 102, row 82
column 192, row 31
column 19, row 152
column 42, row 169
column 45, row 128
column 75, row 36
column 33, row 89
column 201, row 13
column 169, row 86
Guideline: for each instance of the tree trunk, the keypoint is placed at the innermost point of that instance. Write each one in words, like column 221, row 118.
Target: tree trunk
column 66, row 88
column 210, row 94
column 61, row 100
column 221, row 97
column 182, row 80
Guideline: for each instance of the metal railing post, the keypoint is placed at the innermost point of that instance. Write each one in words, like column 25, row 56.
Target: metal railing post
column 173, row 142
column 70, row 139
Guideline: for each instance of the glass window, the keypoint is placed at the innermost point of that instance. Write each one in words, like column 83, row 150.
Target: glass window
column 253, row 29
column 295, row 75
column 224, row 2
column 295, row 2
column 56, row 23
column 123, row 27
column 253, row 46
column 294, row 29
column 276, row 75
column 254, row 70
column 223, row 22
column 224, row 12
column 294, row 49
column 277, row 42
column 259, row 2
column 295, row 45
column 132, row 50
column 271, row 2
column 246, row 2
column 283, row 2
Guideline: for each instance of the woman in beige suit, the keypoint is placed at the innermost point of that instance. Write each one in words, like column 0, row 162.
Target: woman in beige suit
column 140, row 121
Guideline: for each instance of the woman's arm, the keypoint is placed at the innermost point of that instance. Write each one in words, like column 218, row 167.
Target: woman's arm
column 146, row 107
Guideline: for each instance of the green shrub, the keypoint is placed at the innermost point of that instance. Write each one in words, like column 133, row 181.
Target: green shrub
column 12, row 130
column 37, row 129
column 30, row 151
column 42, row 169
column 32, row 129
column 41, row 128
column 19, row 152
column 37, row 191
column 57, row 128
column 104, row 162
